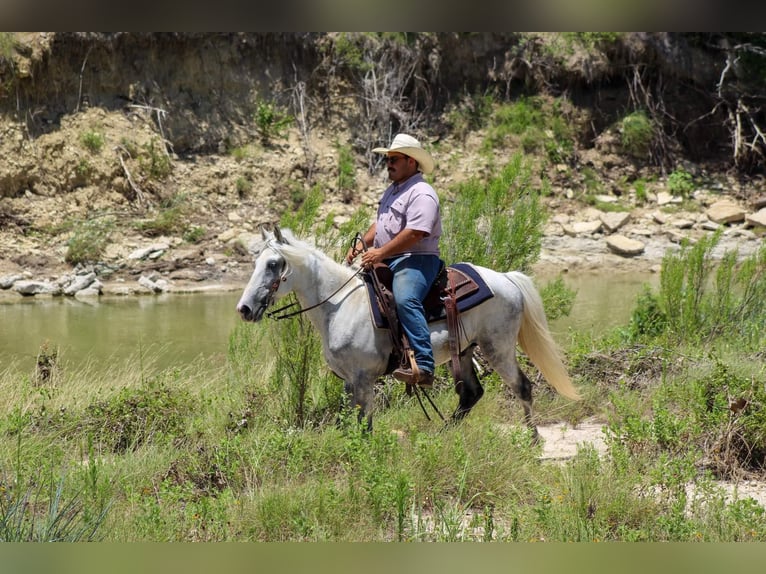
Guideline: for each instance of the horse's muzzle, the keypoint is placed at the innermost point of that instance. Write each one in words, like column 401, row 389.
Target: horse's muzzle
column 248, row 314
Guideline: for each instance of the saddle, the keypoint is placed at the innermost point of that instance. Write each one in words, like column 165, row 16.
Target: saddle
column 456, row 288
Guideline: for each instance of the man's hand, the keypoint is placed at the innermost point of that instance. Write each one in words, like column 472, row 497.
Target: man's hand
column 372, row 256
column 351, row 255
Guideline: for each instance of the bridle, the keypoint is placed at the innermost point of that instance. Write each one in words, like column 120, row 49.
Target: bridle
column 284, row 312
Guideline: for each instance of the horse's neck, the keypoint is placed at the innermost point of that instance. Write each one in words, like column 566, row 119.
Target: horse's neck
column 319, row 279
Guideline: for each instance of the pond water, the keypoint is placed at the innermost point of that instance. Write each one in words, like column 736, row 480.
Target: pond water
column 173, row 330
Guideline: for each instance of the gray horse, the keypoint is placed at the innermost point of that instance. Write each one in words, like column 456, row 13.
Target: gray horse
column 336, row 302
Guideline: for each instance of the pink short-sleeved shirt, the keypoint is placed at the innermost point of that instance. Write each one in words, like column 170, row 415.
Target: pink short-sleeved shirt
column 412, row 204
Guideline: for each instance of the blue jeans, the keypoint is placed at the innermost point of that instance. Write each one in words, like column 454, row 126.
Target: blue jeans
column 413, row 276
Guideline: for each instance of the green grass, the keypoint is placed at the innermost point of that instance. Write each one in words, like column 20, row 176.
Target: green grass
column 261, row 450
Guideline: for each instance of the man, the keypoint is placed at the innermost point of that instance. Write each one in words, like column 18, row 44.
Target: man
column 405, row 236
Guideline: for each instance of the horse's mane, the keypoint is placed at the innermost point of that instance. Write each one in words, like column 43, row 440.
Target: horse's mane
column 298, row 251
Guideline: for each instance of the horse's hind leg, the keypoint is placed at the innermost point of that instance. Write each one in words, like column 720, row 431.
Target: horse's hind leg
column 524, row 393
column 469, row 389
column 516, row 382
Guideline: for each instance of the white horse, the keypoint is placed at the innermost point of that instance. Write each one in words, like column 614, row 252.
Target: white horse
column 336, row 302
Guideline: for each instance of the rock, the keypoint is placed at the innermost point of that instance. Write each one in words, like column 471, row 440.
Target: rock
column 31, row 287
column 79, row 283
column 144, row 252
column 613, row 220
column 710, row 225
column 664, row 198
column 7, row 281
column 89, row 293
column 757, row 219
column 157, row 286
column 625, row 246
column 582, row 227
column 682, row 223
column 725, row 211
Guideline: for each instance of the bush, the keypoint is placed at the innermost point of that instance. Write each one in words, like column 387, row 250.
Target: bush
column 681, row 183
column 270, row 121
column 497, row 224
column 636, row 134
column 92, row 141
column 88, row 241
column 703, row 300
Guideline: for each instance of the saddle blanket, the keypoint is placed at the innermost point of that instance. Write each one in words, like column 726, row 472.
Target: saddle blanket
column 436, row 312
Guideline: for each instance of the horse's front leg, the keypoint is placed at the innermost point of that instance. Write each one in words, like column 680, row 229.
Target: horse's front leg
column 360, row 398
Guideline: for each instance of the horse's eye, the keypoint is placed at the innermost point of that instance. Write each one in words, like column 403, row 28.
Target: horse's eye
column 272, row 265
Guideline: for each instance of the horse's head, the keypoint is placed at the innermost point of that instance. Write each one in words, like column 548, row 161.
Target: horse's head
column 271, row 271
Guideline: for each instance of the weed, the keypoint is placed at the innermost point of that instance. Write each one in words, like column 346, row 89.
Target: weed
column 154, row 162
column 244, row 186
column 89, row 240
column 681, row 183
column 506, row 220
column 271, row 121
column 636, row 134
column 92, row 141
column 39, row 511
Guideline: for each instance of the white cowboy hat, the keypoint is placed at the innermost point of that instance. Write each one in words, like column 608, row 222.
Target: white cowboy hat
column 408, row 145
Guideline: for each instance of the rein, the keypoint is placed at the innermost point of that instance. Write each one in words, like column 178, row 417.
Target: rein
column 282, row 312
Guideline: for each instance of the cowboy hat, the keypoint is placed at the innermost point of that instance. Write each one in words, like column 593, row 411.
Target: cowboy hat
column 408, row 145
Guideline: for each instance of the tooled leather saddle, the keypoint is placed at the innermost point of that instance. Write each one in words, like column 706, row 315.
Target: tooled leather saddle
column 457, row 288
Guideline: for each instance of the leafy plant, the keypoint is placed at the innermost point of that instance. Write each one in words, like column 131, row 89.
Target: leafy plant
column 154, row 162
column 680, row 182
column 89, row 240
column 346, row 173
column 506, row 219
column 271, row 121
column 171, row 218
column 92, row 141
column 636, row 134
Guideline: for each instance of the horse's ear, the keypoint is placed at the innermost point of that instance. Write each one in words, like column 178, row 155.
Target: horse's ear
column 278, row 234
column 264, row 232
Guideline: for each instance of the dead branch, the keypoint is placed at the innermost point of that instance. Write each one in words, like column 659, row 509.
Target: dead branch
column 82, row 71
column 160, row 113
column 140, row 199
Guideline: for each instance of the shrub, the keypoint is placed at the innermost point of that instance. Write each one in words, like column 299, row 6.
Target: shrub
column 88, row 241
column 170, row 219
column 154, row 162
column 92, row 141
column 681, row 183
column 704, row 300
column 636, row 134
column 498, row 223
column 137, row 416
column 346, row 173
column 270, row 121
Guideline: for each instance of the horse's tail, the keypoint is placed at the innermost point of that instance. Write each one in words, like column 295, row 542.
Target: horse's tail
column 535, row 338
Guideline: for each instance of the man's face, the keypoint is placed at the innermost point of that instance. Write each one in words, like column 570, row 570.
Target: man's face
column 400, row 166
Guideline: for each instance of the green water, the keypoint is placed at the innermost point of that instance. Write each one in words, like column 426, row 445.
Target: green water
column 159, row 331
column 166, row 331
